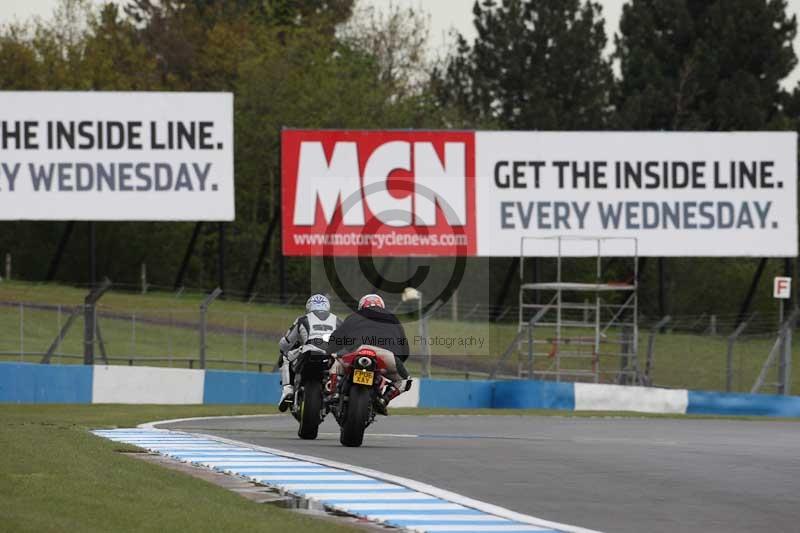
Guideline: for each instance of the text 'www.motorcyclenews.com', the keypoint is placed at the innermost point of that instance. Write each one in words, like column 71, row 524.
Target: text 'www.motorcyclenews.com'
column 379, row 240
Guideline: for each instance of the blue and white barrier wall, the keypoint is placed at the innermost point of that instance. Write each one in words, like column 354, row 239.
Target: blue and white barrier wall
column 34, row 383
column 146, row 384
column 31, row 383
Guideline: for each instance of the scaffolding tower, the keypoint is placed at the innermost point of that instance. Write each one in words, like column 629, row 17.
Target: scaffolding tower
column 579, row 329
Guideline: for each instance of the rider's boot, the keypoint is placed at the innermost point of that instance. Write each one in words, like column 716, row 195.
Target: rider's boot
column 287, row 393
column 390, row 393
column 286, row 398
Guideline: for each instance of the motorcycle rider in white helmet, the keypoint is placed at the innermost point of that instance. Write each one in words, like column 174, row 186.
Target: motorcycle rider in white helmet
column 314, row 327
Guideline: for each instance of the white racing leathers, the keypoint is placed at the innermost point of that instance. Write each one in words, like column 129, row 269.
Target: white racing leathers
column 313, row 328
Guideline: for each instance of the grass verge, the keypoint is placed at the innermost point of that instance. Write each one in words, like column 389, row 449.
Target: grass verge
column 56, row 476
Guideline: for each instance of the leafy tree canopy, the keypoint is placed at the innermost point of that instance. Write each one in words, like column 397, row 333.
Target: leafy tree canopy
column 700, row 65
column 534, row 65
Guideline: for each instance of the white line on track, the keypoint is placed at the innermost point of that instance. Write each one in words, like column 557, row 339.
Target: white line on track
column 152, row 425
column 379, row 435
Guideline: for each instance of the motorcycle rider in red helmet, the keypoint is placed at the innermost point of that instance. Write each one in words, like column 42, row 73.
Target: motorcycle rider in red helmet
column 373, row 326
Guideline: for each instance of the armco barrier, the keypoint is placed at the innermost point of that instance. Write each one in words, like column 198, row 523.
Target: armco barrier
column 34, row 383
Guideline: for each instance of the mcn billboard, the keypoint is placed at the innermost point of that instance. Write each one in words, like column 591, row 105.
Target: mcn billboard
column 439, row 193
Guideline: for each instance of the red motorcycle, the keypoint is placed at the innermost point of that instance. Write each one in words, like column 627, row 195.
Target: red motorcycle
column 359, row 389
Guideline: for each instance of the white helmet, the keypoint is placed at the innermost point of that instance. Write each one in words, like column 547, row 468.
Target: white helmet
column 318, row 302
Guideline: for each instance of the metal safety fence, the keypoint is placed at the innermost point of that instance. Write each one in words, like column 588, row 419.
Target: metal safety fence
column 710, row 352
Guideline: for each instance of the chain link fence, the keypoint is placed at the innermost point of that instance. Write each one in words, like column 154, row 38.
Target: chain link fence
column 715, row 352
column 461, row 342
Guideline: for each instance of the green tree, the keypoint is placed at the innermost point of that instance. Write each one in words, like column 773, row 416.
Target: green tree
column 19, row 66
column 178, row 32
column 113, row 58
column 534, row 65
column 700, row 65
column 272, row 12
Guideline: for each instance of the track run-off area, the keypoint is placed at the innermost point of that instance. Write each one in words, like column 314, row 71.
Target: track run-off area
column 613, row 474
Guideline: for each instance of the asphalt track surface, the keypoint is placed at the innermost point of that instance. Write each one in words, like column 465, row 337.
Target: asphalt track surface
column 610, row 474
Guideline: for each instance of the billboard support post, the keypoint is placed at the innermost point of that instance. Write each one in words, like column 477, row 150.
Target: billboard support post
column 143, row 277
column 187, row 256
column 282, row 274
column 221, row 257
column 510, row 273
column 787, row 271
column 748, row 299
column 662, row 293
column 92, row 256
column 62, row 244
column 251, row 287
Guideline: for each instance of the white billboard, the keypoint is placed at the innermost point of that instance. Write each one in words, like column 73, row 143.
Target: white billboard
column 116, row 156
column 678, row 194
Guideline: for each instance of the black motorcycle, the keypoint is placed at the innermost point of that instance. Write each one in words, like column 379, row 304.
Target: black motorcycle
column 310, row 374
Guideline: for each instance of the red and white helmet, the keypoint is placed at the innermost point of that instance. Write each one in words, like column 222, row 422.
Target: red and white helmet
column 371, row 300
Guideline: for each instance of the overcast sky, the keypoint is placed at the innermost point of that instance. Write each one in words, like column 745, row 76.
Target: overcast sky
column 445, row 15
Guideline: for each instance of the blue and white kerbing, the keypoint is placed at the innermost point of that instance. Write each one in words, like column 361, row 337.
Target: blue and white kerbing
column 372, row 495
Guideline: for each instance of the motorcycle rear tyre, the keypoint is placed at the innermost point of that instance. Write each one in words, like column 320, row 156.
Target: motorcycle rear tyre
column 355, row 422
column 310, row 407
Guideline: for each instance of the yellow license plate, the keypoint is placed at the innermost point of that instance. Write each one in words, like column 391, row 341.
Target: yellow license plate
column 363, row 377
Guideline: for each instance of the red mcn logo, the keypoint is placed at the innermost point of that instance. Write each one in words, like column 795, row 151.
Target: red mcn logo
column 378, row 193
